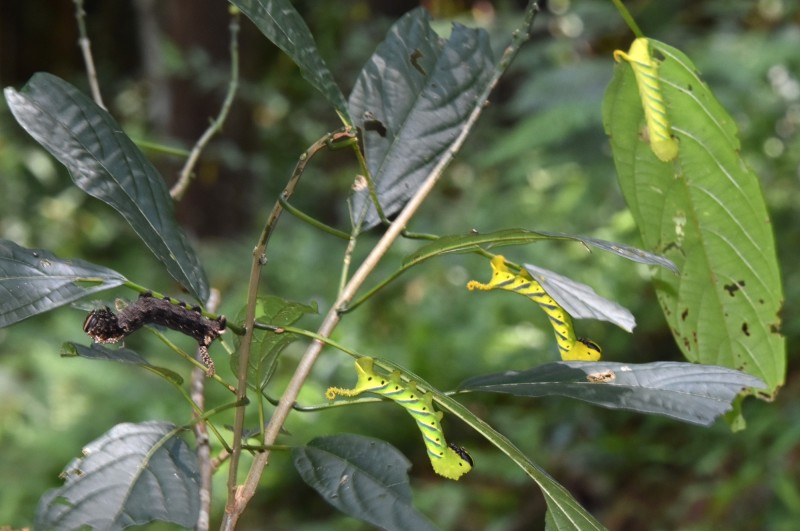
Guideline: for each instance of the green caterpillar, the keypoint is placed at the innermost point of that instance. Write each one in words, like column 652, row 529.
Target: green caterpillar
column 448, row 460
column 570, row 347
column 645, row 69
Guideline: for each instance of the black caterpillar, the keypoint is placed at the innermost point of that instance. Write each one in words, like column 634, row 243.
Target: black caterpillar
column 104, row 326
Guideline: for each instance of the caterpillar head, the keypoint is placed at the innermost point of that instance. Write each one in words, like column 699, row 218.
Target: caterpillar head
column 453, row 464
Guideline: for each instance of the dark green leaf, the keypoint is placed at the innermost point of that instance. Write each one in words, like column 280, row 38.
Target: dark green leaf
column 120, row 355
column 34, row 281
column 693, row 393
column 363, row 477
column 268, row 345
column 132, row 475
column 580, row 300
column 411, row 100
column 105, row 163
column 471, row 242
column 280, row 22
column 705, row 211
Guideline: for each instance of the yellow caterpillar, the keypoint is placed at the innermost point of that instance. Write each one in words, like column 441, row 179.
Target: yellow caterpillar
column 645, row 69
column 448, row 460
column 570, row 347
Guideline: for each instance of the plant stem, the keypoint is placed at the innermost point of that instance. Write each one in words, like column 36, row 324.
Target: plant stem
column 331, row 320
column 86, row 49
column 186, row 173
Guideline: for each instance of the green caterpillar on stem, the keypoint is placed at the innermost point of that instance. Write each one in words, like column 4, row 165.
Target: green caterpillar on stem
column 570, row 347
column 448, row 460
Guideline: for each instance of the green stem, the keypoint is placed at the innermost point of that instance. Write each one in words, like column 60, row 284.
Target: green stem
column 628, row 18
column 185, row 176
column 311, row 221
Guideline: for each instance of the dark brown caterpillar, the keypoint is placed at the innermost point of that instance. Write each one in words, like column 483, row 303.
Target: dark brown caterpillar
column 104, row 326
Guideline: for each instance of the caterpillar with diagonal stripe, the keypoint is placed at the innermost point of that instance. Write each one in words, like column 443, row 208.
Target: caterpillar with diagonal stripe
column 448, row 460
column 570, row 347
column 645, row 69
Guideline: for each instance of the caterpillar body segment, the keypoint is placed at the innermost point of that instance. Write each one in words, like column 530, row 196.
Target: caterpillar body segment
column 570, row 347
column 645, row 69
column 448, row 460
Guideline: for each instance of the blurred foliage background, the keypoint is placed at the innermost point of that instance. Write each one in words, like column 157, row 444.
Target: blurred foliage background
column 539, row 159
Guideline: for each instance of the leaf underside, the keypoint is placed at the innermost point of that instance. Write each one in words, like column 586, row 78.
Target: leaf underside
column 693, row 393
column 131, row 475
column 705, row 211
column 34, row 281
column 411, row 100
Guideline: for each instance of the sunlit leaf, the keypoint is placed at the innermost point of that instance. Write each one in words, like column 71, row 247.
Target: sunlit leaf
column 105, row 163
column 411, row 100
column 131, row 475
column 705, row 211
column 363, row 477
column 34, row 281
column 698, row 394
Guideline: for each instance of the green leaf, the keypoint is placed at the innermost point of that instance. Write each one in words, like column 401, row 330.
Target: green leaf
column 471, row 242
column 35, row 281
column 105, row 163
column 120, row 355
column 706, row 212
column 363, row 477
column 268, row 345
column 689, row 392
column 131, row 475
column 280, row 22
column 411, row 101
column 580, row 300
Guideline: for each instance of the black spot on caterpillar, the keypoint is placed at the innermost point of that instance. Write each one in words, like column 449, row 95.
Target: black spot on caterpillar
column 104, row 326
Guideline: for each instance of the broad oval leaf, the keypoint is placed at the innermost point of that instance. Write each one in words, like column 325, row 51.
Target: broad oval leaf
column 131, row 475
column 580, row 300
column 697, row 394
column 461, row 243
column 105, row 163
column 411, row 100
column 363, row 477
column 706, row 212
column 34, row 281
column 120, row 355
column 280, row 22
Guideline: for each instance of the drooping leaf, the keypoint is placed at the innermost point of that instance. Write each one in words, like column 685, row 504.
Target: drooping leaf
column 280, row 22
column 131, row 475
column 34, row 281
column 689, row 392
column 705, row 211
column 470, row 242
column 411, row 100
column 268, row 345
column 363, row 477
column 120, row 355
column 105, row 163
column 580, row 300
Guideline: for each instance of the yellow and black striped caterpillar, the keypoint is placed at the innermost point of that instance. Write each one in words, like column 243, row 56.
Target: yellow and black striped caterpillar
column 448, row 460
column 570, row 347
column 645, row 69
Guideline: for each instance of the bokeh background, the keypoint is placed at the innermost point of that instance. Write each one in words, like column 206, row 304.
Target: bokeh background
column 538, row 159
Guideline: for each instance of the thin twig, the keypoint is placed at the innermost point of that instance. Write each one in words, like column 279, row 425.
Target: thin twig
column 201, row 433
column 186, row 174
column 247, row 490
column 86, row 49
column 235, row 504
